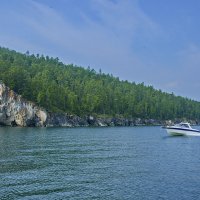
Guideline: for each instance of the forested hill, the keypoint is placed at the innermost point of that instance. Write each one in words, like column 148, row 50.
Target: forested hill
column 75, row 90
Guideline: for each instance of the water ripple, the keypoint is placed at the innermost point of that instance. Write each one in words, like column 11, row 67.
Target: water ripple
column 92, row 163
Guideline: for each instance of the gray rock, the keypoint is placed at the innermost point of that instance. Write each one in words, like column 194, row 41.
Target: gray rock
column 14, row 110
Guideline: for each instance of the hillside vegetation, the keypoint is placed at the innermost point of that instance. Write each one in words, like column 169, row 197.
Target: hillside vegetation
column 75, row 90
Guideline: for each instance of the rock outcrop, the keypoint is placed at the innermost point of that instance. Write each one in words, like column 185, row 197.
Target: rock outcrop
column 15, row 111
column 65, row 120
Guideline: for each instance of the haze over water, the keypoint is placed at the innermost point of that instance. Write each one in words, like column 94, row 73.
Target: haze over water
column 98, row 163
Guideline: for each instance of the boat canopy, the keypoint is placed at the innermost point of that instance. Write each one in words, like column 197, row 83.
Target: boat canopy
column 186, row 125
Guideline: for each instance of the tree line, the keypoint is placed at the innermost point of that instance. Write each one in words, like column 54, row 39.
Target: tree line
column 75, row 90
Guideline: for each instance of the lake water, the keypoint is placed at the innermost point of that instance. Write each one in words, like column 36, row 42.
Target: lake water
column 98, row 163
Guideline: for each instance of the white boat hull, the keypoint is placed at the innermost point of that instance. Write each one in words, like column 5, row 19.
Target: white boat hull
column 177, row 132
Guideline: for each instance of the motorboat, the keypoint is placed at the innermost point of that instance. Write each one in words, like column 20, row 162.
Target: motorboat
column 182, row 129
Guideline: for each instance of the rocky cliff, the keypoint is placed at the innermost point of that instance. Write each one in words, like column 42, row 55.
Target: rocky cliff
column 15, row 111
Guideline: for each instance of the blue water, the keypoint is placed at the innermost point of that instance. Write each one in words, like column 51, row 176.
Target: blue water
column 98, row 163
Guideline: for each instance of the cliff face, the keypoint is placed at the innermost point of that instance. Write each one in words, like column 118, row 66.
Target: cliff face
column 16, row 111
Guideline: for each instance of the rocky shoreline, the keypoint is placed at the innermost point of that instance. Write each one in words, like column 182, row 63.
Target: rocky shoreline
column 88, row 121
column 16, row 111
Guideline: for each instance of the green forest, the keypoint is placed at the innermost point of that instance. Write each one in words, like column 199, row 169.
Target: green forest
column 76, row 90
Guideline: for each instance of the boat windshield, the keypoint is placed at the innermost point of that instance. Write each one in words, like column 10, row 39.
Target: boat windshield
column 185, row 125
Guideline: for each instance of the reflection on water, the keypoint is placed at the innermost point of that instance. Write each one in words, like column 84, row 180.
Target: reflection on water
column 98, row 163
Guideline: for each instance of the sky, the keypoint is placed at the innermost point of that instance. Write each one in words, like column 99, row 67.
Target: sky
column 152, row 41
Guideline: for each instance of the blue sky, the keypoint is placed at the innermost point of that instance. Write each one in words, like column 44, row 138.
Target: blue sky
column 152, row 41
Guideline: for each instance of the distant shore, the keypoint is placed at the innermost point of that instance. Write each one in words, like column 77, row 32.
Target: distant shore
column 16, row 111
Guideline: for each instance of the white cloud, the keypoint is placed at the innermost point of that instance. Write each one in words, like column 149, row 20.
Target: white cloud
column 107, row 43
